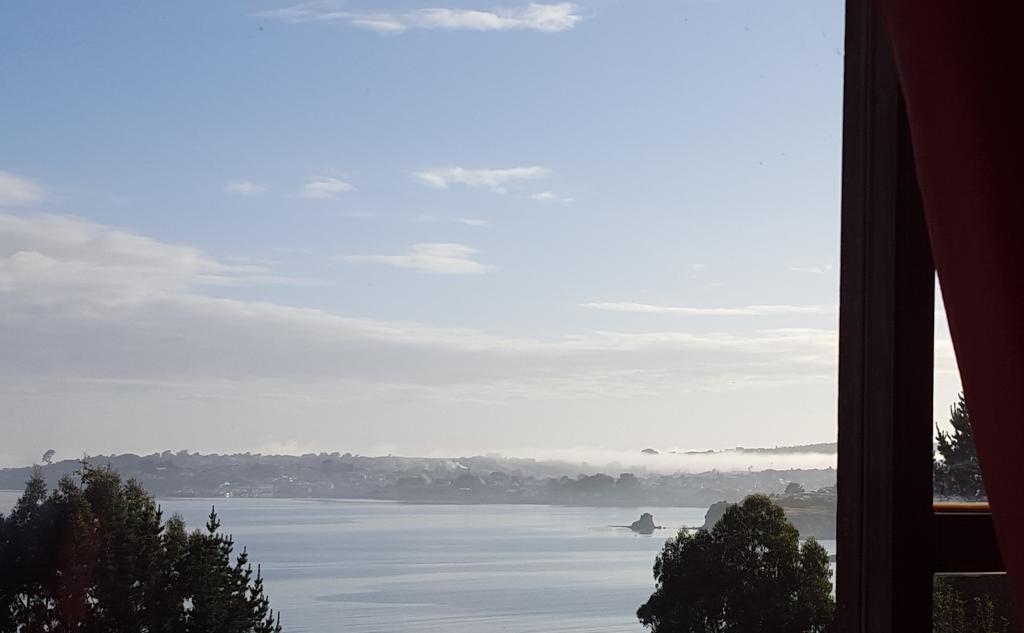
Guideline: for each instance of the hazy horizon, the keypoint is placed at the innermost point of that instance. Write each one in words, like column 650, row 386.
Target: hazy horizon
column 588, row 459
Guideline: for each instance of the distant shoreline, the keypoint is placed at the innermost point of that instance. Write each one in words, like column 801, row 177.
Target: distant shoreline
column 411, row 502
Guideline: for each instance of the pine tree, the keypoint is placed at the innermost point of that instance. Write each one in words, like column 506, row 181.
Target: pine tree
column 95, row 556
column 958, row 474
column 260, row 606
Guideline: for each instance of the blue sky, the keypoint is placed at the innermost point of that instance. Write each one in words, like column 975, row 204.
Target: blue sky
column 418, row 227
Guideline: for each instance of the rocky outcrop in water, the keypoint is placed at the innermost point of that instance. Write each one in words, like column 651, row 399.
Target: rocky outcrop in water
column 644, row 525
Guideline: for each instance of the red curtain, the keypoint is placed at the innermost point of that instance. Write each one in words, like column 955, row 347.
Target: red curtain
column 961, row 64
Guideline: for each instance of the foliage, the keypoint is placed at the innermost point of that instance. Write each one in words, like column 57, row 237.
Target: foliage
column 958, row 474
column 748, row 573
column 955, row 611
column 794, row 488
column 94, row 556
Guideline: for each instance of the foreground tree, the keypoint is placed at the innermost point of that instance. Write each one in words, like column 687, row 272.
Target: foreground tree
column 958, row 474
column 747, row 574
column 94, row 556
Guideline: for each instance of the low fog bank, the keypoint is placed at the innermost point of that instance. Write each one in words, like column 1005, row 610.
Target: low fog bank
column 586, row 460
column 579, row 476
column 580, row 460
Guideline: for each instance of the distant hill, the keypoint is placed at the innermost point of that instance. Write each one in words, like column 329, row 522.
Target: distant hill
column 478, row 479
column 824, row 447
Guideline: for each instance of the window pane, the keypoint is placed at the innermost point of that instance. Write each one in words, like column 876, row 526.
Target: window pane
column 456, row 310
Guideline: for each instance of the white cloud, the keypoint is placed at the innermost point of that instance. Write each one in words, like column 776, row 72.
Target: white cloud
column 817, row 270
column 496, row 179
column 78, row 299
column 324, row 188
column 101, row 327
column 15, row 190
column 547, row 18
column 245, row 188
column 442, row 258
column 49, row 260
column 436, row 219
column 550, row 196
column 148, row 299
column 751, row 310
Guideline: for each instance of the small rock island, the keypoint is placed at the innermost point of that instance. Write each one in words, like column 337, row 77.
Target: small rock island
column 644, row 525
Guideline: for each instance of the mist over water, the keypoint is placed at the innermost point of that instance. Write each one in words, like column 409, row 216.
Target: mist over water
column 590, row 460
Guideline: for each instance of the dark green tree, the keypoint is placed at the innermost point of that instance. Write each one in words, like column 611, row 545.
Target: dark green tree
column 95, row 556
column 747, row 574
column 957, row 474
column 969, row 609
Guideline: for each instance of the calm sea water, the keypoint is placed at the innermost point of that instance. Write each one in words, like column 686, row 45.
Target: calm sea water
column 380, row 567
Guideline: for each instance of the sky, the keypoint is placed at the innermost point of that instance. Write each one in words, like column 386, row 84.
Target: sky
column 421, row 228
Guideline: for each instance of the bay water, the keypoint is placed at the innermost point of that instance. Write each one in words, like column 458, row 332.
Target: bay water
column 384, row 567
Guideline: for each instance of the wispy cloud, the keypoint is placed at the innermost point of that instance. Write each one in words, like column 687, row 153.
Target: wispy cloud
column 817, row 270
column 115, row 321
column 324, row 188
column 436, row 219
column 496, row 179
column 245, row 188
column 751, row 310
column 547, row 18
column 149, row 318
column 49, row 260
column 550, row 196
column 15, row 190
column 433, row 257
column 697, row 272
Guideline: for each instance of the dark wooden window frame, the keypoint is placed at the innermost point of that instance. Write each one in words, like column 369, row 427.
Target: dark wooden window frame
column 891, row 537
